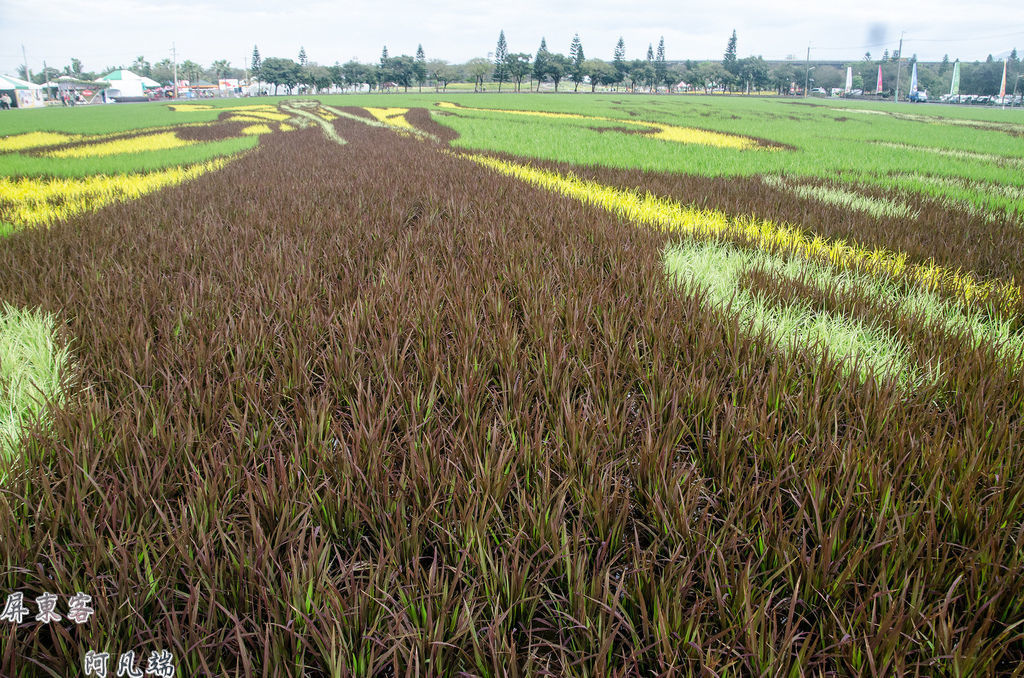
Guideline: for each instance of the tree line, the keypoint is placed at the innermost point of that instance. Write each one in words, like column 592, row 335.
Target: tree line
column 505, row 69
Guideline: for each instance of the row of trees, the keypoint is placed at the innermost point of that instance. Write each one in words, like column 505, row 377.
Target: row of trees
column 399, row 71
column 514, row 68
column 544, row 66
column 554, row 67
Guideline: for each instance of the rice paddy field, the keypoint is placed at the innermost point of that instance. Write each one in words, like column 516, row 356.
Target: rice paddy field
column 517, row 385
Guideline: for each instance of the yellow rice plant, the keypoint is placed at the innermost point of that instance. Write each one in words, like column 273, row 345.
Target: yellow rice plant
column 30, row 201
column 1000, row 295
column 160, row 141
column 20, row 142
column 394, row 117
column 254, row 130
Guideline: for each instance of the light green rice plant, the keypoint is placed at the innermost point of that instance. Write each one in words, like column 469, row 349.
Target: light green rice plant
column 718, row 268
column 837, row 197
column 31, row 367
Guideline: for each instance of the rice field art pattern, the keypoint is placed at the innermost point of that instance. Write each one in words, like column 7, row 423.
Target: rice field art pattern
column 653, row 130
column 378, row 402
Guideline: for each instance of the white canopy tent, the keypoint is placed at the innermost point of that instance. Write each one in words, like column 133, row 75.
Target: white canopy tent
column 23, row 94
column 127, row 85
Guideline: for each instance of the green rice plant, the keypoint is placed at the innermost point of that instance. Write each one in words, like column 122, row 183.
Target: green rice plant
column 31, row 368
column 24, row 165
column 100, row 119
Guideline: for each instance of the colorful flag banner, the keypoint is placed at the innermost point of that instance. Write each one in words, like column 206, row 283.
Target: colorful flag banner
column 849, row 78
column 913, row 79
column 954, row 86
column 1002, row 85
column 878, row 85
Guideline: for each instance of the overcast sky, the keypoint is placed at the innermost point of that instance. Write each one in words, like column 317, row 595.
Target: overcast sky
column 105, row 33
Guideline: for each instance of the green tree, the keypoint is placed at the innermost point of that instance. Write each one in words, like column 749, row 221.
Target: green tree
column 540, row 62
column 782, row 77
column 639, row 72
column 619, row 60
column 357, row 74
column 162, row 71
column 221, row 68
column 518, row 67
column 336, row 75
column 651, row 73
column 576, row 70
column 318, row 77
column 141, row 67
column 558, row 67
column 442, row 72
column 382, row 68
column 501, row 60
column 600, row 73
column 280, row 72
column 421, row 66
column 402, row 70
column 753, row 73
column 709, row 75
column 303, row 60
column 191, row 70
column 255, row 65
column 478, row 68
column 661, row 73
column 729, row 60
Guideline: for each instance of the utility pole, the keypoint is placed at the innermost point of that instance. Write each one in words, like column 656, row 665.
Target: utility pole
column 174, row 60
column 899, row 66
column 807, row 70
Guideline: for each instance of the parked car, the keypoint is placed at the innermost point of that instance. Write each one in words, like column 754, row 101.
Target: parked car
column 920, row 96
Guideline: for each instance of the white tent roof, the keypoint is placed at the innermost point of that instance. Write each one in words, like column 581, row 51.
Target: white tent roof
column 124, row 75
column 10, row 82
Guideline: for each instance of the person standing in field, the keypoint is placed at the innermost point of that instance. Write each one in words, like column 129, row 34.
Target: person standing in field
column 5, row 101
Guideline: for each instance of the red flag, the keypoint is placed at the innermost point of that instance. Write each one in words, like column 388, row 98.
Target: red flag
column 878, row 85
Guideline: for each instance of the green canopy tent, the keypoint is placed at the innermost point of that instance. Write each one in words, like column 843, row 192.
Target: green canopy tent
column 23, row 94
